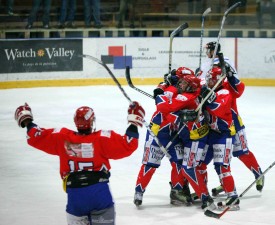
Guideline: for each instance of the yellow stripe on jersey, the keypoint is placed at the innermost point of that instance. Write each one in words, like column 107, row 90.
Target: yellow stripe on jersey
column 232, row 130
column 240, row 121
column 199, row 133
column 154, row 128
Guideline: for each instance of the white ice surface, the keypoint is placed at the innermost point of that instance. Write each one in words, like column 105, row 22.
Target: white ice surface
column 31, row 189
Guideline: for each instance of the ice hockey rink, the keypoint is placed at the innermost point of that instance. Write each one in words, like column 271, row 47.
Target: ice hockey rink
column 31, row 188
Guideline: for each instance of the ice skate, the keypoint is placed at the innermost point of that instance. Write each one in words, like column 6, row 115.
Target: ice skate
column 194, row 197
column 180, row 197
column 216, row 191
column 208, row 204
column 138, row 198
column 260, row 184
column 232, row 202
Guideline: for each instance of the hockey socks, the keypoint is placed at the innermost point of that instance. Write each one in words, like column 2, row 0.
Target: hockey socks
column 177, row 178
column 249, row 160
column 144, row 177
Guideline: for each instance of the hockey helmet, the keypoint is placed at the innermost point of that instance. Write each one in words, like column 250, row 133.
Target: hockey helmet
column 183, row 71
column 210, row 46
column 188, row 83
column 213, row 76
column 84, row 118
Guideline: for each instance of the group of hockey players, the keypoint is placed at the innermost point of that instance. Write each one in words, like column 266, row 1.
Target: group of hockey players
column 197, row 119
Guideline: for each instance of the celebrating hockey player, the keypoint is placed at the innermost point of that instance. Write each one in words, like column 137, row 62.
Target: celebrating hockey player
column 152, row 157
column 221, row 135
column 84, row 159
column 241, row 150
column 206, row 66
column 193, row 133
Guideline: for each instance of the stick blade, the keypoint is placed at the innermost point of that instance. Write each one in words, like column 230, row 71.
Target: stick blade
column 128, row 77
column 212, row 214
column 208, row 10
column 232, row 7
column 179, row 29
column 92, row 58
column 184, row 26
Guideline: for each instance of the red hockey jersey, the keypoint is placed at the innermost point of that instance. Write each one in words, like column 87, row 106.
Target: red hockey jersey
column 219, row 112
column 82, row 152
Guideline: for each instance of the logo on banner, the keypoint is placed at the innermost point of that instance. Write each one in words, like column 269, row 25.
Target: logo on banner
column 21, row 56
column 115, row 56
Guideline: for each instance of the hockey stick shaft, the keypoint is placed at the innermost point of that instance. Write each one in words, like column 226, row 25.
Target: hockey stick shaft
column 172, row 35
column 221, row 28
column 174, row 138
column 214, row 55
column 210, row 92
column 219, row 215
column 128, row 98
column 130, row 83
column 206, row 12
column 199, row 108
column 110, row 73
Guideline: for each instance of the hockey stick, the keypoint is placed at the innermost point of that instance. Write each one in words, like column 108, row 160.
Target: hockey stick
column 110, row 72
column 130, row 83
column 220, row 31
column 172, row 35
column 215, row 86
column 206, row 12
column 214, row 55
column 219, row 215
column 129, row 99
column 198, row 109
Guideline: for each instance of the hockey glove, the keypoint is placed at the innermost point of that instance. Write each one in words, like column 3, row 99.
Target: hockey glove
column 204, row 92
column 230, row 72
column 135, row 114
column 186, row 115
column 171, row 78
column 198, row 72
column 23, row 114
column 160, row 89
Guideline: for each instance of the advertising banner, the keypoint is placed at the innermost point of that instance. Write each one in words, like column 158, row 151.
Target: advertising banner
column 24, row 56
column 256, row 57
column 47, row 59
column 149, row 57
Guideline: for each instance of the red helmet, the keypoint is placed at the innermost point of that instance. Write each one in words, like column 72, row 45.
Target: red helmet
column 84, row 118
column 183, row 71
column 193, row 81
column 188, row 83
column 213, row 75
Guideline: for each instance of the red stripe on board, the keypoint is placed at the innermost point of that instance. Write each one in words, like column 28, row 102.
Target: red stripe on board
column 236, row 53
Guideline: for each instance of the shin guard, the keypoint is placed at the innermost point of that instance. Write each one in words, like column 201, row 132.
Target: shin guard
column 202, row 169
column 177, row 178
column 226, row 179
column 250, row 161
column 196, row 180
column 144, row 177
